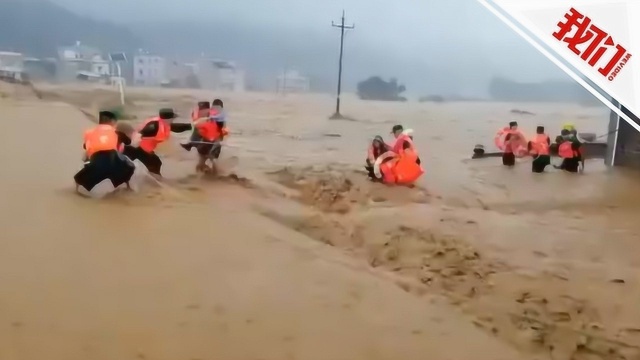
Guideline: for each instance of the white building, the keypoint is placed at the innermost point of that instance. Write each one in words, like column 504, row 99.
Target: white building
column 100, row 66
column 215, row 74
column 178, row 73
column 292, row 82
column 149, row 70
column 11, row 59
column 11, row 65
column 81, row 61
column 41, row 69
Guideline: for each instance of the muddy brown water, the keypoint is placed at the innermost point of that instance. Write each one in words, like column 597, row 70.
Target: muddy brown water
column 514, row 264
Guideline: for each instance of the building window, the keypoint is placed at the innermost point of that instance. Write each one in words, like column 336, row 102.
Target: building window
column 141, row 72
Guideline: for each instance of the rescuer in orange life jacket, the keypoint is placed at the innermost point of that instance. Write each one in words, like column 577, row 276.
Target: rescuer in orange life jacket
column 403, row 139
column 209, row 131
column 539, row 149
column 103, row 145
column 152, row 133
column 570, row 150
column 215, row 113
column 512, row 141
column 399, row 168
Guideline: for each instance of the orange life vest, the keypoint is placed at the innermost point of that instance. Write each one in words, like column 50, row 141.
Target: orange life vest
column 210, row 130
column 387, row 171
column 402, row 169
column 407, row 170
column 400, row 140
column 566, row 151
column 149, row 144
column 540, row 145
column 100, row 138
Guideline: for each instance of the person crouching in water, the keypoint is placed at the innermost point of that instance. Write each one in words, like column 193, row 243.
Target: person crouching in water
column 377, row 148
column 103, row 145
column 539, row 149
column 153, row 132
column 570, row 150
column 400, row 165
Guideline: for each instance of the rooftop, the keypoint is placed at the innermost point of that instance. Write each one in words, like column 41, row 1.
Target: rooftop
column 292, row 74
column 148, row 55
column 223, row 64
column 83, row 48
column 11, row 69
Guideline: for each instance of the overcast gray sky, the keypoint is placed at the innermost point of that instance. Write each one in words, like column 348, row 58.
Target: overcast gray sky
column 458, row 37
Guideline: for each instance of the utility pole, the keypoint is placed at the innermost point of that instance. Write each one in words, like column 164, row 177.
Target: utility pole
column 342, row 27
column 283, row 83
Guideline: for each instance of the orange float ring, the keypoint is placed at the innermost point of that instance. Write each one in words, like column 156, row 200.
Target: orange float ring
column 521, row 148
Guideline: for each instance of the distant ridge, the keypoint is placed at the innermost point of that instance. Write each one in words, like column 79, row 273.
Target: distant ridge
column 38, row 27
column 501, row 89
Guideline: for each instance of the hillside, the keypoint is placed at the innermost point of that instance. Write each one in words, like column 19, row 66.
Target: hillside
column 38, row 27
column 501, row 89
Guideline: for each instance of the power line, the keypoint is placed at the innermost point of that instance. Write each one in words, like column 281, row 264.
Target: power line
column 342, row 27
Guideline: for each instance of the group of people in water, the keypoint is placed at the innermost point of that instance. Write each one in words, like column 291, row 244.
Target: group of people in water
column 397, row 163
column 110, row 152
column 513, row 144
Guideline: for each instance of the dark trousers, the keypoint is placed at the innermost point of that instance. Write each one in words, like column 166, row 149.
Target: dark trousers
column 150, row 160
column 508, row 159
column 570, row 164
column 540, row 163
column 105, row 165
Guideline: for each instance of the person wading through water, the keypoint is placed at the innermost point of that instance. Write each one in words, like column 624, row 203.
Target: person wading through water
column 153, row 132
column 103, row 145
column 539, row 149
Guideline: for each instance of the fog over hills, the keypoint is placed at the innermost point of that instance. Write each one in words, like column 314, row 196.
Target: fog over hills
column 436, row 46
